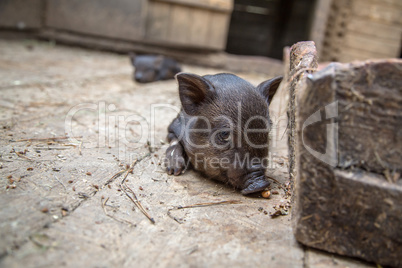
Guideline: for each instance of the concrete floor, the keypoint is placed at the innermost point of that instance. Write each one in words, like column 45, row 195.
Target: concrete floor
column 54, row 189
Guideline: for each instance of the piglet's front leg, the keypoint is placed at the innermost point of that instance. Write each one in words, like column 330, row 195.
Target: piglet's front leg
column 175, row 160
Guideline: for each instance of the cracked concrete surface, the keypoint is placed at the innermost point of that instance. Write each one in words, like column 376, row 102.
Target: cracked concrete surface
column 70, row 119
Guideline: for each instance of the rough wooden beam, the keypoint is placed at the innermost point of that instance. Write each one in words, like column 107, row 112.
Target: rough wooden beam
column 349, row 155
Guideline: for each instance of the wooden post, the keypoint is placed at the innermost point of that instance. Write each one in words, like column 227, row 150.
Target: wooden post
column 303, row 61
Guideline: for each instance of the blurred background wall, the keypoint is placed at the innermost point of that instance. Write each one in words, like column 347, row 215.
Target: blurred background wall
column 344, row 30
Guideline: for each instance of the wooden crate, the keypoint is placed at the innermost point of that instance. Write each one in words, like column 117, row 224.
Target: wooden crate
column 360, row 29
column 189, row 23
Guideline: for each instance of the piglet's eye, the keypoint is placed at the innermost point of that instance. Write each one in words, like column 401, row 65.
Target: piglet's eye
column 224, row 136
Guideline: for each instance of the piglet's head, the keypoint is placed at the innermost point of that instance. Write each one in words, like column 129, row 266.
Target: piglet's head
column 226, row 134
column 147, row 67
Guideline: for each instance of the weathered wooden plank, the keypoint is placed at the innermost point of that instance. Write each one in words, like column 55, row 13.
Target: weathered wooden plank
column 340, row 49
column 370, row 44
column 122, row 19
column 198, row 32
column 349, row 193
column 319, row 24
column 375, row 29
column 370, row 98
column 377, row 11
column 186, row 25
column 21, row 14
column 218, row 24
column 395, row 3
column 338, row 17
column 158, row 21
column 303, row 60
column 348, row 56
column 353, row 54
column 371, row 27
column 356, row 224
column 216, row 5
column 180, row 24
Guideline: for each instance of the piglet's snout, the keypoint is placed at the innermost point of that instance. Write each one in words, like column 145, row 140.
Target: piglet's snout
column 255, row 180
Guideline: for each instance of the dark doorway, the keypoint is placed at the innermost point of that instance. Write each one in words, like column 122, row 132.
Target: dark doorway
column 264, row 27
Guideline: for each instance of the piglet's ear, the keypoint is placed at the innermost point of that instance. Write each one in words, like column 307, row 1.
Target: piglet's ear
column 132, row 57
column 194, row 90
column 268, row 88
column 157, row 62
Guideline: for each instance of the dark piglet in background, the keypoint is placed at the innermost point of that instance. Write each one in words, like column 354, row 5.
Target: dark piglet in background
column 222, row 129
column 150, row 68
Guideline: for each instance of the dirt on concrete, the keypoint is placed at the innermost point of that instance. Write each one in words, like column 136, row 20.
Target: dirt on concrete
column 72, row 124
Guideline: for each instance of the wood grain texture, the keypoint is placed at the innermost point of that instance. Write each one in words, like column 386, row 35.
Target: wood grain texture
column 82, row 235
column 217, row 5
column 320, row 20
column 372, row 27
column 187, row 24
column 21, row 14
column 303, row 60
column 122, row 19
column 353, row 206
